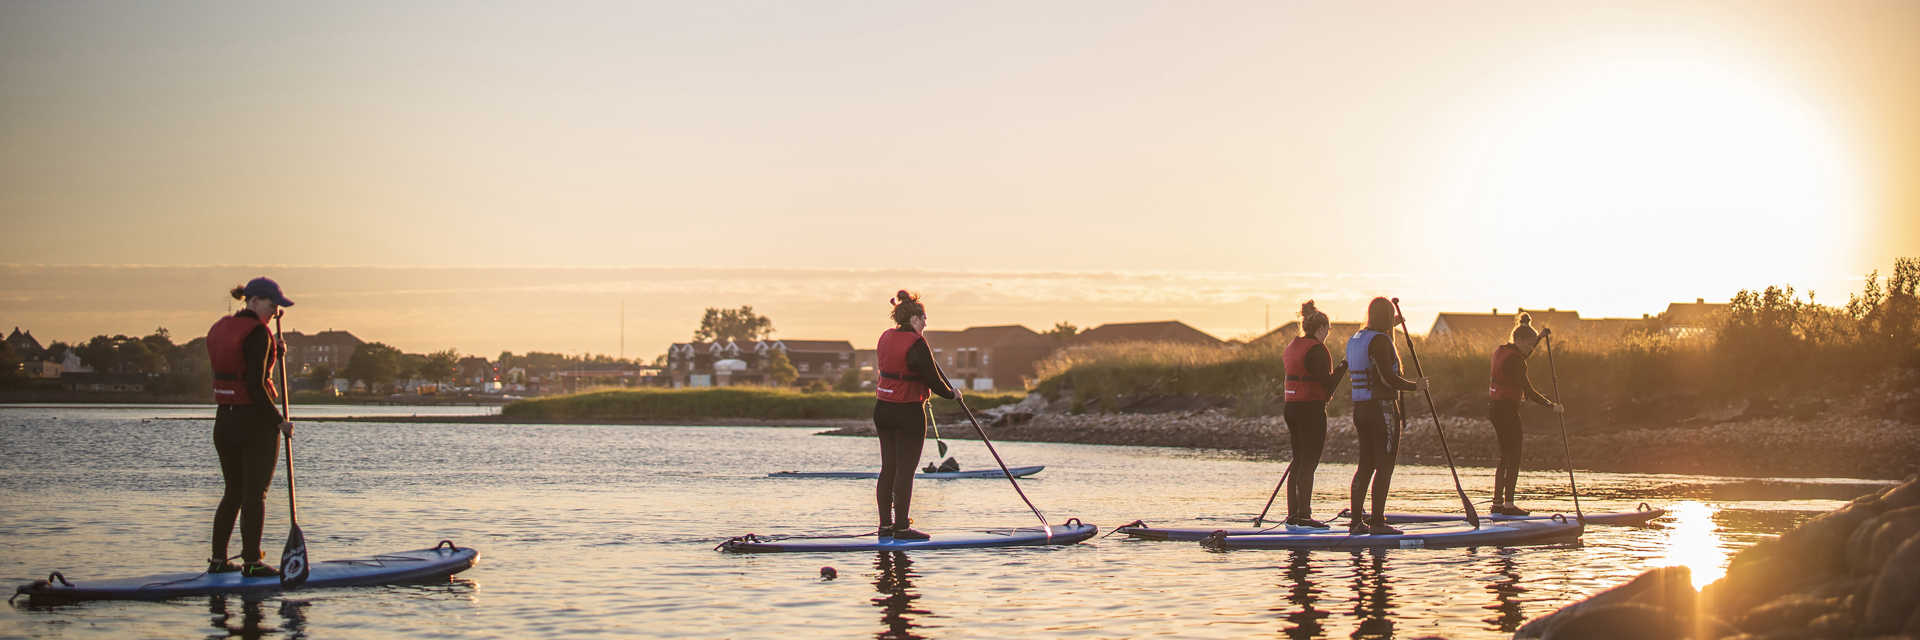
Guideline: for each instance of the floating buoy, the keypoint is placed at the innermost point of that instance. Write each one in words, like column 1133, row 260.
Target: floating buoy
column 827, row 573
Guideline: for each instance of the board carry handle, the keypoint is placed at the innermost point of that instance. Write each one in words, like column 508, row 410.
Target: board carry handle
column 447, row 544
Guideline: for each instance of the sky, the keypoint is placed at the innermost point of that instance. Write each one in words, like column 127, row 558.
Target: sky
column 507, row 176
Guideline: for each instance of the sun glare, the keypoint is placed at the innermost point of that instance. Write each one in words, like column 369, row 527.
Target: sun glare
column 1695, row 543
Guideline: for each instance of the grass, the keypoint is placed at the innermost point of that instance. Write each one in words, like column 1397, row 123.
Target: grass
column 757, row 403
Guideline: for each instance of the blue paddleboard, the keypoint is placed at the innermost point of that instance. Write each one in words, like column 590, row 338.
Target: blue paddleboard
column 387, row 568
column 1522, row 532
column 1018, row 472
column 1071, row 532
column 1142, row 531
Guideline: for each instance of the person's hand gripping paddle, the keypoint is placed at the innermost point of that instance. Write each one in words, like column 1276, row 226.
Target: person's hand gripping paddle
column 293, row 558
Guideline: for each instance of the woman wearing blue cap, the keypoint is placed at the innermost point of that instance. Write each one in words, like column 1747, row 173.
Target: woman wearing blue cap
column 246, row 427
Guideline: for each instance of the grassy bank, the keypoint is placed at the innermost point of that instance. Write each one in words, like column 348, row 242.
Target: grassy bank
column 758, row 403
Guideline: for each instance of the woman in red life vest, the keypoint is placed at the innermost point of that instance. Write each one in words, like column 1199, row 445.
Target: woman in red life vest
column 907, row 379
column 1508, row 385
column 246, row 426
column 1311, row 380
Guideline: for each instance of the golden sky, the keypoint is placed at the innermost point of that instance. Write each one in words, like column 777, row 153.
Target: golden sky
column 504, row 176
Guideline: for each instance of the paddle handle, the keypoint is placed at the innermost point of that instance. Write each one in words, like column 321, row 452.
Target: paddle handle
column 286, row 413
column 1473, row 516
column 1276, row 493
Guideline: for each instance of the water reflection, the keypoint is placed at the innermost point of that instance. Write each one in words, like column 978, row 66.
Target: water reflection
column 1372, row 596
column 1302, row 594
column 893, row 578
column 1695, row 542
column 252, row 621
column 1506, row 588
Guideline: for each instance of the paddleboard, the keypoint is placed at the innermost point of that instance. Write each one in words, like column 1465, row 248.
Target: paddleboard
column 1060, row 534
column 1143, row 531
column 387, row 568
column 1018, row 472
column 1449, row 535
column 1636, row 518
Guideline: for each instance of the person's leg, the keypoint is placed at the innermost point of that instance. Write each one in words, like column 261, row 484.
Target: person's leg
column 1307, row 425
column 260, row 456
column 228, row 446
column 889, row 467
column 1372, row 434
column 1383, row 474
column 907, row 444
column 1507, row 430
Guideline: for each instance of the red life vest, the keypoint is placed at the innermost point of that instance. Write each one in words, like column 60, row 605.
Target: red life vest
column 1303, row 385
column 1505, row 360
column 897, row 383
column 226, row 347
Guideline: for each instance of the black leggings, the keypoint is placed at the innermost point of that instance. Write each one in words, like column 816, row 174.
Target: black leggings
column 1307, row 429
column 1506, row 427
column 903, row 433
column 1378, row 426
column 249, row 449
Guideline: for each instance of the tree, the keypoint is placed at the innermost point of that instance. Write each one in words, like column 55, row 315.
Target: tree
column 10, row 362
column 1062, row 331
column 440, row 365
column 321, row 377
column 849, row 380
column 374, row 363
column 739, row 325
column 780, row 369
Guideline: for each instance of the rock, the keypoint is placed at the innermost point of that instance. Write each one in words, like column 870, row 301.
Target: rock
column 1627, row 621
column 1880, row 537
column 1812, row 553
column 1896, row 592
column 1665, row 589
column 1791, row 611
column 1907, row 494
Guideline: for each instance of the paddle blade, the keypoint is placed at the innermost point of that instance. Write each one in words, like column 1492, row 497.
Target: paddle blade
column 942, row 446
column 293, row 559
column 1473, row 516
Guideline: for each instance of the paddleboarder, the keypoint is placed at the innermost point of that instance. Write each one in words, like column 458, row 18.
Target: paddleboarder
column 908, row 378
column 1507, row 386
column 246, row 427
column 1311, row 380
column 1374, row 368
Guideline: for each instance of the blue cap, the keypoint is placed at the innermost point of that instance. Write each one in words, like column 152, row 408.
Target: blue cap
column 266, row 288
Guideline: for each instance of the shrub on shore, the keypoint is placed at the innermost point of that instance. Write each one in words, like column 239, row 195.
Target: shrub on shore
column 756, row 403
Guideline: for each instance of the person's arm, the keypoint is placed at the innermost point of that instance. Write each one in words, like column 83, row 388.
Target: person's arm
column 1525, row 383
column 1318, row 359
column 920, row 362
column 1385, row 360
column 255, row 348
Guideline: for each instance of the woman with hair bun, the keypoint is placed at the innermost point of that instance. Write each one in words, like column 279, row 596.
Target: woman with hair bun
column 1311, row 380
column 907, row 379
column 246, row 425
column 1507, row 386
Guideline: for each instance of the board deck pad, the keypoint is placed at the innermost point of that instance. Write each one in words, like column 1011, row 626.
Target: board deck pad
column 387, row 568
column 1061, row 534
column 1523, row 532
column 1018, row 472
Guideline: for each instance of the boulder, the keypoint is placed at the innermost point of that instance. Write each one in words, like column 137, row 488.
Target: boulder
column 1896, row 592
column 1668, row 589
column 1873, row 540
column 1791, row 611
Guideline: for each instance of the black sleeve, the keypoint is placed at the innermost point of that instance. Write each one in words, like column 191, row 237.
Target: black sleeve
column 1318, row 359
column 920, row 363
column 255, row 377
column 1526, row 383
column 1384, row 361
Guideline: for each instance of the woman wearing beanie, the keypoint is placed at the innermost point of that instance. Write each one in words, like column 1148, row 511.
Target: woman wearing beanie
column 1507, row 386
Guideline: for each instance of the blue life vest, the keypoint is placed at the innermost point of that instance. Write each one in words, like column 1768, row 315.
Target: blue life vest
column 1360, row 367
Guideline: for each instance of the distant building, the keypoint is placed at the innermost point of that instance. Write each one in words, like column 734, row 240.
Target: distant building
column 730, row 363
column 24, row 344
column 1337, row 334
column 1498, row 326
column 989, row 358
column 474, row 370
column 42, row 369
column 328, row 349
column 1165, row 331
column 1693, row 320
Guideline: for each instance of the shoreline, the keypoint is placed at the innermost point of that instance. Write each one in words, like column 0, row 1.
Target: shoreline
column 1840, row 447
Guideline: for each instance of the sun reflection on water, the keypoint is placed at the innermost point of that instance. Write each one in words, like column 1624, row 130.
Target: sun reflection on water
column 1695, row 543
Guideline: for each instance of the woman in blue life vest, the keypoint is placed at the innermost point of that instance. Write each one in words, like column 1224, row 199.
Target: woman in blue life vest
column 246, row 425
column 1311, row 380
column 1507, row 386
column 907, row 378
column 1374, row 368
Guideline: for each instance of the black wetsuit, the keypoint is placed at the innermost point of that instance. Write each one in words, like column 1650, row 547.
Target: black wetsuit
column 902, row 427
column 1505, row 415
column 1378, row 422
column 1307, row 431
column 247, row 438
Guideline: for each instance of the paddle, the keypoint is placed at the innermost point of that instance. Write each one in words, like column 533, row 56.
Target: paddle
column 939, row 445
column 1565, row 446
column 1473, row 516
column 293, row 557
column 1276, row 493
column 984, row 440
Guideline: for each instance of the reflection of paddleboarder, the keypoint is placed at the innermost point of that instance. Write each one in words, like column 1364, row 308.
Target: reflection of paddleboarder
column 1377, row 417
column 907, row 379
column 246, row 426
column 893, row 579
column 1507, row 386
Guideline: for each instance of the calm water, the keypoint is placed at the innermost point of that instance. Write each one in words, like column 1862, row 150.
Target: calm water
column 609, row 530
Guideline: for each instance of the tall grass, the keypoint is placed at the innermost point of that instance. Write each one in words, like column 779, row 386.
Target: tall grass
column 759, row 403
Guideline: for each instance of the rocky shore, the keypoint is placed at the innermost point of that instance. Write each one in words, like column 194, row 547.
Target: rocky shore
column 1852, row 573
column 1853, row 446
